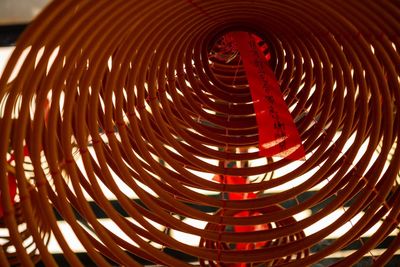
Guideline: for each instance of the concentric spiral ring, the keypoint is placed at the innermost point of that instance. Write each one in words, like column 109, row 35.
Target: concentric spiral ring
column 134, row 93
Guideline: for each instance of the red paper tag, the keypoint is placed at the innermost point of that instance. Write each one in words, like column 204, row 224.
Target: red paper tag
column 245, row 213
column 12, row 182
column 278, row 135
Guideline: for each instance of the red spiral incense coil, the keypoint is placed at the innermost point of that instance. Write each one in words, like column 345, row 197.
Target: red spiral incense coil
column 147, row 100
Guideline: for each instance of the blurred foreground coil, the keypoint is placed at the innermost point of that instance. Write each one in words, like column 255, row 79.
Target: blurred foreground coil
column 137, row 93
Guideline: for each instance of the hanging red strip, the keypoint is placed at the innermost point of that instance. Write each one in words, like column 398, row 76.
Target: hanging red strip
column 278, row 135
column 12, row 182
column 245, row 213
